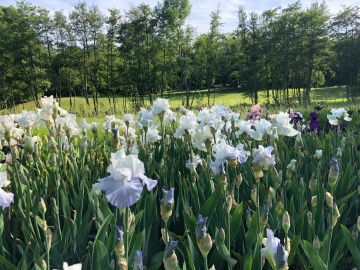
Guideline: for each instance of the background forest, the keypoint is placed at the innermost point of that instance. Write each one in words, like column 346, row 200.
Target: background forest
column 147, row 52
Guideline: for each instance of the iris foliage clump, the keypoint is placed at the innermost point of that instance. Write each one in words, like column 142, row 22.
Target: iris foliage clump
column 188, row 190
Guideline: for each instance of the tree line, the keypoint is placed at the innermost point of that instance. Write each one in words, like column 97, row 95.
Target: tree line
column 147, row 52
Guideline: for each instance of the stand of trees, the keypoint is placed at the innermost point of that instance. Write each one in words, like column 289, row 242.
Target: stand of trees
column 149, row 52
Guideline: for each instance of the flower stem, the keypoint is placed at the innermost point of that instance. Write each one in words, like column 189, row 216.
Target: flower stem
column 228, row 217
column 166, row 233
column 126, row 225
column 286, row 240
column 228, row 239
column 1, row 243
column 48, row 247
column 206, row 267
column 331, row 230
column 259, row 237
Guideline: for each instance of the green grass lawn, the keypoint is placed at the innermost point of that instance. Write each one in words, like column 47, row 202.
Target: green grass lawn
column 333, row 96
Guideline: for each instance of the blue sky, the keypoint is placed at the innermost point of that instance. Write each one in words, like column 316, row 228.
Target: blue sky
column 200, row 11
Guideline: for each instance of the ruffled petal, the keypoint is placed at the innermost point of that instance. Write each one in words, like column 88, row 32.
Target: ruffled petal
column 217, row 167
column 121, row 194
column 132, row 162
column 72, row 267
column 241, row 155
column 272, row 242
column 150, row 184
column 280, row 256
column 5, row 198
column 256, row 135
column 332, row 119
column 3, row 179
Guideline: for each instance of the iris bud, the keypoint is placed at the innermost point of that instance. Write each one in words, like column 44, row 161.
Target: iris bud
column 286, row 221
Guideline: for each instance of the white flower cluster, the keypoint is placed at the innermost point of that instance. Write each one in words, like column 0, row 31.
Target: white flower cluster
column 338, row 114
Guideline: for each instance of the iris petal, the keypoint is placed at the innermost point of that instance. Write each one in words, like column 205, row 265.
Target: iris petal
column 280, row 257
column 5, row 198
column 121, row 194
column 150, row 184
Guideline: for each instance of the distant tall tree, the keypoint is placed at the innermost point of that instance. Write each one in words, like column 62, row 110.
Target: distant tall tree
column 269, row 17
column 315, row 26
column 207, row 49
column 112, row 23
column 285, row 52
column 96, row 23
column 137, row 47
column 6, row 59
column 185, row 39
column 250, row 68
column 241, row 33
column 230, row 54
column 61, row 36
column 255, row 65
column 174, row 39
column 346, row 34
column 24, row 51
column 79, row 21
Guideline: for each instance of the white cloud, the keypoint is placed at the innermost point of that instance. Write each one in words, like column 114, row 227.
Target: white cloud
column 201, row 10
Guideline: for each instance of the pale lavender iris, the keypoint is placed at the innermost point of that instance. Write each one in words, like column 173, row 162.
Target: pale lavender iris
column 5, row 197
column 222, row 152
column 263, row 156
column 125, row 185
column 273, row 251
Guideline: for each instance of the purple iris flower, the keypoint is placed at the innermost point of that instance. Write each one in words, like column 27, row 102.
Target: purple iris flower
column 115, row 132
column 168, row 197
column 315, row 126
column 344, row 127
column 334, row 165
column 169, row 249
column 252, row 115
column 280, row 257
column 6, row 149
column 201, row 227
column 313, row 116
column 138, row 264
column 119, row 234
